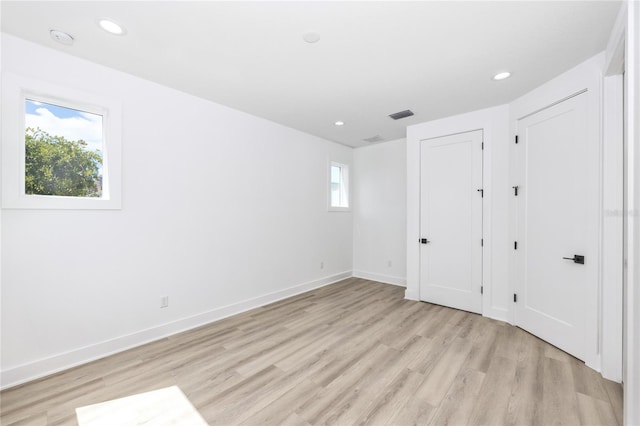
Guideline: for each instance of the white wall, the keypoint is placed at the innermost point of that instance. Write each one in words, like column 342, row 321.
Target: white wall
column 494, row 123
column 380, row 212
column 222, row 211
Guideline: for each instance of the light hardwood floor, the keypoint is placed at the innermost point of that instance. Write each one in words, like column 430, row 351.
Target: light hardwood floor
column 354, row 352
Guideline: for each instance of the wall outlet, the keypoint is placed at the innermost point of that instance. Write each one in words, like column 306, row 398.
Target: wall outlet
column 164, row 301
column 321, row 265
column 389, row 263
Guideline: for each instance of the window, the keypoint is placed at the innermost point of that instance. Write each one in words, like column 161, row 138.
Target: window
column 63, row 150
column 61, row 147
column 338, row 187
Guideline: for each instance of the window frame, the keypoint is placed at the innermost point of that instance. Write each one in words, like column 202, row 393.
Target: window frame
column 344, row 177
column 15, row 92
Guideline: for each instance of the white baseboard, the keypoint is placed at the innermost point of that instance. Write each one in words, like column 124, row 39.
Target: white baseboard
column 496, row 314
column 59, row 362
column 411, row 295
column 387, row 279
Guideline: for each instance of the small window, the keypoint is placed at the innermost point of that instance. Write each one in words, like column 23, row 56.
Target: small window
column 63, row 150
column 61, row 147
column 338, row 187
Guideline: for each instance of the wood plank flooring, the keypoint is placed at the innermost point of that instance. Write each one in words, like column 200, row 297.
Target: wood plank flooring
column 354, row 352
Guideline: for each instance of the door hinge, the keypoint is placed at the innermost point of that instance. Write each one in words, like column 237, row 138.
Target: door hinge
column 481, row 289
column 481, row 242
column 482, row 146
column 515, row 190
column 515, row 298
column 515, row 245
column 481, row 191
column 516, row 139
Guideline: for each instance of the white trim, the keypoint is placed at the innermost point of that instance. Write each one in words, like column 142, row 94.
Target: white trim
column 612, row 291
column 632, row 116
column 24, row 373
column 386, row 279
column 15, row 89
column 612, row 238
column 411, row 295
column 614, row 53
column 497, row 314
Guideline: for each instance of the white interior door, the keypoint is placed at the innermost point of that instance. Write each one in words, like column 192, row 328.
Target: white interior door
column 451, row 221
column 556, row 201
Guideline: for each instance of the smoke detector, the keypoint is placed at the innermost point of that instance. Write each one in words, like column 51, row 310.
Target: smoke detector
column 311, row 37
column 61, row 37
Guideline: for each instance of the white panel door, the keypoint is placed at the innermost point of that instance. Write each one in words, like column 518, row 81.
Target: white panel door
column 557, row 197
column 451, row 221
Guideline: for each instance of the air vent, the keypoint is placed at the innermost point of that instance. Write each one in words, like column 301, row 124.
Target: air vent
column 401, row 114
column 372, row 139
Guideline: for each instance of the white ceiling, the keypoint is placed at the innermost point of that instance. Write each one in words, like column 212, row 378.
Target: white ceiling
column 373, row 58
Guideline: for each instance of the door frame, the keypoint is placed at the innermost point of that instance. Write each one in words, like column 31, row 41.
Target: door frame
column 494, row 124
column 587, row 76
column 623, row 54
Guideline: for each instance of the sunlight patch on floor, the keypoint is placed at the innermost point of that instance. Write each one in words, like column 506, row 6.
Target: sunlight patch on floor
column 162, row 407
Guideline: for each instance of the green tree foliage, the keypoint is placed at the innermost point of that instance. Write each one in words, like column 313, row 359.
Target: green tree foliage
column 57, row 166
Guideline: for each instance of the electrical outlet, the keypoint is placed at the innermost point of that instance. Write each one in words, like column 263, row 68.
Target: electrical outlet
column 164, row 301
column 321, row 265
column 389, row 263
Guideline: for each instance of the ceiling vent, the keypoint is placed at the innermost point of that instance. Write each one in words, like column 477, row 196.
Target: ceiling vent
column 401, row 114
column 372, row 139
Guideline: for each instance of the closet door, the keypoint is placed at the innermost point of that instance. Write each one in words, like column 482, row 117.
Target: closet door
column 557, row 237
column 451, row 221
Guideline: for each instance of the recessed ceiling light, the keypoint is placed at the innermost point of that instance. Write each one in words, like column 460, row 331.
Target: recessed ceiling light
column 111, row 27
column 61, row 37
column 339, row 123
column 311, row 37
column 502, row 75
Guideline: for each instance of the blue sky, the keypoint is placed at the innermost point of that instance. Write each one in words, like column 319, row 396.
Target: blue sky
column 67, row 122
column 58, row 111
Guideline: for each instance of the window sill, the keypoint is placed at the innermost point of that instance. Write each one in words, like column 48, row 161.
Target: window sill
column 339, row 209
column 51, row 202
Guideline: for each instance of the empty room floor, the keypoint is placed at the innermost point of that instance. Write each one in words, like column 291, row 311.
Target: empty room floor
column 354, row 352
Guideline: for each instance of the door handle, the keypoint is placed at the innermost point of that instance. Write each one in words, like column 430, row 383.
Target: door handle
column 424, row 241
column 577, row 258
